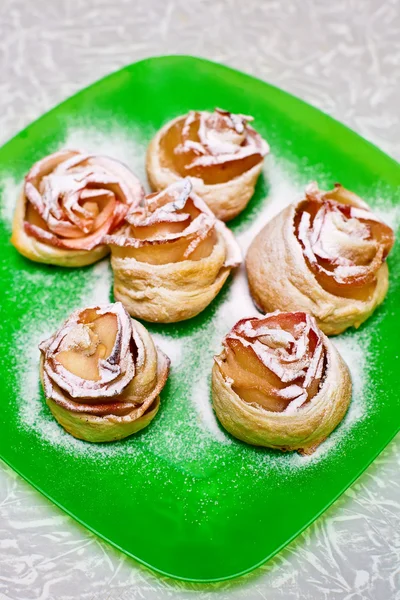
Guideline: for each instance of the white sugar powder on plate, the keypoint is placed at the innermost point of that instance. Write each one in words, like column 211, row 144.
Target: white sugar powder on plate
column 128, row 147
column 98, row 292
column 355, row 351
column 172, row 347
column 10, row 190
column 200, row 395
column 32, row 412
column 389, row 214
column 285, row 187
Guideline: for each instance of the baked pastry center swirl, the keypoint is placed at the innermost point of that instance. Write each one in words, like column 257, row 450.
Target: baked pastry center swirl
column 200, row 143
column 277, row 362
column 102, row 374
column 170, row 227
column 344, row 245
column 73, row 199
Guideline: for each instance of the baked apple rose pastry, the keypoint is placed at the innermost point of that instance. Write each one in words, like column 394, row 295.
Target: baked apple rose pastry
column 324, row 255
column 172, row 256
column 280, row 382
column 102, row 374
column 69, row 202
column 219, row 150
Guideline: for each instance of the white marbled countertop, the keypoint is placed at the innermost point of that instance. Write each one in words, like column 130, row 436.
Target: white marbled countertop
column 343, row 57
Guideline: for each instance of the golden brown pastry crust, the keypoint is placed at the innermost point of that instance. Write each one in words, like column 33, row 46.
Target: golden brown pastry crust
column 226, row 199
column 301, row 429
column 281, row 279
column 173, row 291
column 44, row 232
column 115, row 408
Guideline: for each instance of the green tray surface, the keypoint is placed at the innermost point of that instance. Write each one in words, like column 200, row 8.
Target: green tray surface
column 176, row 497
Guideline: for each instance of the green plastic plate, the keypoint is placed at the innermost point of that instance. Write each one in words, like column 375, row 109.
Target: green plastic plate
column 182, row 496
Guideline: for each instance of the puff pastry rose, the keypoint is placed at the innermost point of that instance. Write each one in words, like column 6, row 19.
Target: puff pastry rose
column 102, row 374
column 219, row 150
column 172, row 256
column 69, row 202
column 324, row 255
column 280, row 382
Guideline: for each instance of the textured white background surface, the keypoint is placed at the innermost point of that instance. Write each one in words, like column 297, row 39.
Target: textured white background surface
column 342, row 56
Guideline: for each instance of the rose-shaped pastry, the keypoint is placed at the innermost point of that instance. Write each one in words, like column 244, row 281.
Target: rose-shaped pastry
column 221, row 153
column 102, row 374
column 324, row 255
column 280, row 382
column 69, row 202
column 172, row 256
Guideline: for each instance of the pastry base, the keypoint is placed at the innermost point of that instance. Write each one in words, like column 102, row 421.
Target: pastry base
column 101, row 429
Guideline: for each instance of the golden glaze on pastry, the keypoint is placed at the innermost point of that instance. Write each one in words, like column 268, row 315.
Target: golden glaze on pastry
column 70, row 201
column 280, row 382
column 324, row 255
column 171, row 257
column 221, row 153
column 102, row 374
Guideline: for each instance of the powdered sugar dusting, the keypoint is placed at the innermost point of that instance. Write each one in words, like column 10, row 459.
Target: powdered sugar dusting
column 389, row 214
column 10, row 189
column 285, row 186
column 34, row 414
column 99, row 290
column 172, row 347
column 356, row 352
column 201, row 398
column 355, row 349
column 126, row 145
